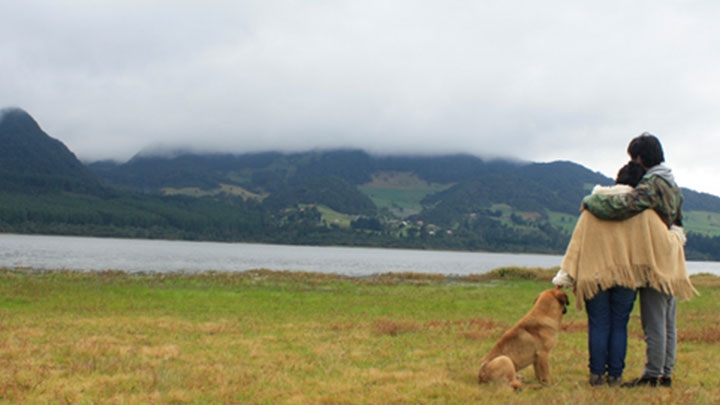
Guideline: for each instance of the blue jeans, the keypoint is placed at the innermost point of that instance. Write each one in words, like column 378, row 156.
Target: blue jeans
column 608, row 315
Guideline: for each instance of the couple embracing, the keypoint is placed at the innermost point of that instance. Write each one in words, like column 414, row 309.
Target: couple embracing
column 629, row 240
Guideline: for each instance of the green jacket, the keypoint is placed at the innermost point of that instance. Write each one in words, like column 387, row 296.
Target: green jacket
column 653, row 192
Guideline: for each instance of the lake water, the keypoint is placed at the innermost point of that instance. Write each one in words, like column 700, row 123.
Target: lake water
column 139, row 255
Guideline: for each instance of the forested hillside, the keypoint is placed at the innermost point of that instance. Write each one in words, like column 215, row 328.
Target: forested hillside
column 337, row 197
column 30, row 160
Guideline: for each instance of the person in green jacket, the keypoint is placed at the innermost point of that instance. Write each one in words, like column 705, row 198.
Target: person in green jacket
column 656, row 191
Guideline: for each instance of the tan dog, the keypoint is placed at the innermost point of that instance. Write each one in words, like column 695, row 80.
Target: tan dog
column 528, row 342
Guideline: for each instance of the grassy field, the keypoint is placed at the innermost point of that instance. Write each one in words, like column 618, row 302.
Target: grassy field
column 401, row 192
column 299, row 338
column 703, row 222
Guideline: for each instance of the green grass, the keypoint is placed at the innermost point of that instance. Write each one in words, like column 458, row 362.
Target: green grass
column 401, row 192
column 392, row 198
column 563, row 221
column 292, row 337
column 706, row 223
column 333, row 217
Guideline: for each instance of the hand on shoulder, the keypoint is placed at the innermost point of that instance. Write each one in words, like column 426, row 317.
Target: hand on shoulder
column 679, row 232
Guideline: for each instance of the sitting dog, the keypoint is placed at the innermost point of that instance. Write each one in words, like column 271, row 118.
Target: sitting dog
column 528, row 342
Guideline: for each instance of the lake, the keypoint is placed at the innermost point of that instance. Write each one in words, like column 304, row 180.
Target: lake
column 140, row 255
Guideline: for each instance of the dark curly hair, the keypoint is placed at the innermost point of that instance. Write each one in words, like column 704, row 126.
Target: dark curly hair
column 630, row 174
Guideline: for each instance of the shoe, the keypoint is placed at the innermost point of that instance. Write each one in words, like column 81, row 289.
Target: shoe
column 641, row 382
column 665, row 382
column 596, row 380
column 614, row 381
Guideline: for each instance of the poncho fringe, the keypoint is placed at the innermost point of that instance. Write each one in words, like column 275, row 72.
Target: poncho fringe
column 636, row 252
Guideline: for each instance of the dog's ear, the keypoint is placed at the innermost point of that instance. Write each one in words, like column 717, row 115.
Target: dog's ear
column 562, row 297
column 565, row 299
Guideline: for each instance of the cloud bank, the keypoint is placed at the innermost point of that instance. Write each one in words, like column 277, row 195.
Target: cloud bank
column 557, row 80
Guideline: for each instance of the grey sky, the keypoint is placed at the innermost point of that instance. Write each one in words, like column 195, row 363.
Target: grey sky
column 538, row 81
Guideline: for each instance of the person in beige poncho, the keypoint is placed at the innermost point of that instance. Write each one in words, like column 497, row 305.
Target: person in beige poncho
column 604, row 264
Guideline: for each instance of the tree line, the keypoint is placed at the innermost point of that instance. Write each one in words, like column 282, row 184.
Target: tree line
column 233, row 219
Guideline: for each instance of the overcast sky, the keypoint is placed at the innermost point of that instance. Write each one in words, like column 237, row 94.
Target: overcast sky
column 532, row 80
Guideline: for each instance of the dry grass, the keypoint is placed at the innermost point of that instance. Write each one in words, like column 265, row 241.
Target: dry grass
column 301, row 338
column 514, row 273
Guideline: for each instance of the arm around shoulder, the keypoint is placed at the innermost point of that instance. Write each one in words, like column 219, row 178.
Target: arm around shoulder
column 617, row 207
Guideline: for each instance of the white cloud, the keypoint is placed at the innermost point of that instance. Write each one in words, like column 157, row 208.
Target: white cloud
column 557, row 80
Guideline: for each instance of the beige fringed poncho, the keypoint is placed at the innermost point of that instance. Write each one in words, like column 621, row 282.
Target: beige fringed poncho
column 639, row 251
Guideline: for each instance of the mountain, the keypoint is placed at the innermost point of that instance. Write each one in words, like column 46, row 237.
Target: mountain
column 462, row 201
column 29, row 158
column 321, row 197
column 272, row 171
column 558, row 186
column 44, row 188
